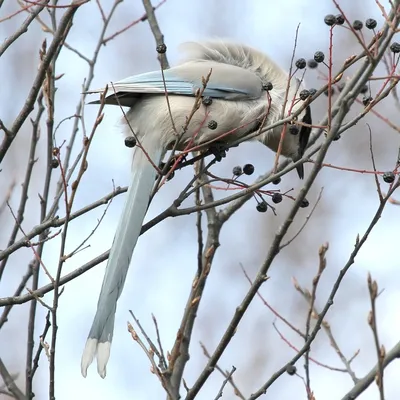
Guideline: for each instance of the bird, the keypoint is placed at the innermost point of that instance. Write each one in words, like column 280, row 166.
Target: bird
column 245, row 91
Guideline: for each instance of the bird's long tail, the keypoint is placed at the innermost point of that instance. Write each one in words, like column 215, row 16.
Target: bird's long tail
column 128, row 230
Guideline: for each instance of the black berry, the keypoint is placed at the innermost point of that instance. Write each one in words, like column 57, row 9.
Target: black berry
column 389, row 177
column 301, row 63
column 277, row 181
column 312, row 91
column 248, row 169
column 357, row 25
column 54, row 163
column 237, row 171
column 319, row 56
column 330, row 20
column 337, row 137
column 366, row 100
column 304, row 203
column 213, row 124
column 262, row 207
column 276, row 198
column 207, row 101
column 395, row 47
column 161, row 48
column 339, row 19
column 370, row 23
column 304, row 94
column 268, row 86
column 293, row 129
column 130, row 141
column 291, row 369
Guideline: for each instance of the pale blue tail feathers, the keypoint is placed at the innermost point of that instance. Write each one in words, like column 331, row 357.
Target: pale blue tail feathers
column 128, row 231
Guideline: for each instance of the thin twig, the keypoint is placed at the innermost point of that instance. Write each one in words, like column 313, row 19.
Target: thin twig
column 59, row 36
column 165, row 382
column 9, row 382
column 363, row 383
column 33, row 12
column 153, row 347
column 380, row 350
column 226, row 380
column 225, row 374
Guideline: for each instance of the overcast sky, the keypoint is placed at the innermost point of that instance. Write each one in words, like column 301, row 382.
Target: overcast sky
column 164, row 261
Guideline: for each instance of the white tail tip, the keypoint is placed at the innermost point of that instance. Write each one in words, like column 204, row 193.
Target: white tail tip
column 94, row 348
column 88, row 355
column 103, row 354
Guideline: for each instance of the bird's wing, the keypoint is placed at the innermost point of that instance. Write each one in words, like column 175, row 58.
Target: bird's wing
column 226, row 81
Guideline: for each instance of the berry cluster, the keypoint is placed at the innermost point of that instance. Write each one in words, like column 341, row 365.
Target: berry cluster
column 319, row 58
column 276, row 197
column 248, row 169
column 357, row 25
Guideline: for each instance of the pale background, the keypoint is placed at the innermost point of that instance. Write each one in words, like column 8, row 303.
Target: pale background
column 164, row 262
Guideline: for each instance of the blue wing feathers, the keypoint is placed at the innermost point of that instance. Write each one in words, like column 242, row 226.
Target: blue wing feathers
column 186, row 82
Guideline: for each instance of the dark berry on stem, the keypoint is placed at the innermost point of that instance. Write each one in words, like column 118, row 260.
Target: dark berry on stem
column 301, row 63
column 319, row 56
column 268, row 86
column 276, row 198
column 370, row 23
column 130, row 141
column 395, row 47
column 366, row 100
column 293, row 129
column 357, row 25
column 237, row 171
column 277, row 181
column 389, row 177
column 54, row 163
column 330, row 20
column 262, row 207
column 248, row 169
column 291, row 369
column 304, row 203
column 207, row 101
column 339, row 19
column 161, row 48
column 364, row 89
column 213, row 124
column 304, row 94
column 312, row 91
